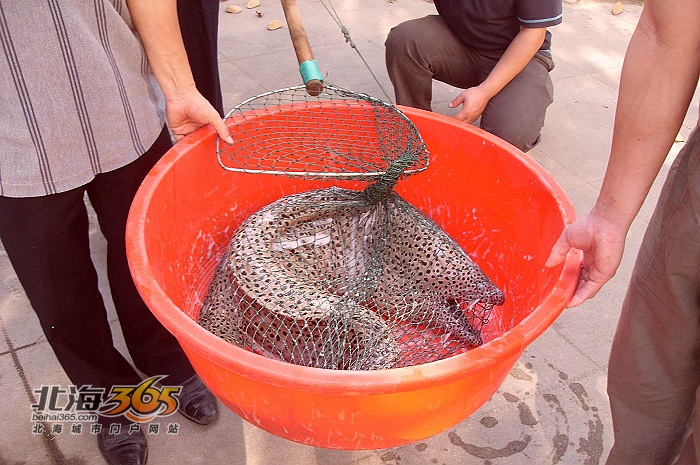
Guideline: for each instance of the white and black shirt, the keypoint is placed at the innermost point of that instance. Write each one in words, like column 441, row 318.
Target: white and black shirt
column 77, row 95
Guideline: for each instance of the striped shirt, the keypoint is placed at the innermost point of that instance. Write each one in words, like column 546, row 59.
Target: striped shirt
column 491, row 25
column 77, row 97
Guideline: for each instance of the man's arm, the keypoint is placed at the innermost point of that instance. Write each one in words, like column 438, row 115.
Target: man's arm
column 516, row 57
column 186, row 109
column 659, row 76
column 657, row 84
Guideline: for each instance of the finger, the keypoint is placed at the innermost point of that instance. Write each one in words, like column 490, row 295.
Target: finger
column 456, row 102
column 462, row 116
column 221, row 128
column 558, row 252
column 466, row 115
column 586, row 290
column 575, row 301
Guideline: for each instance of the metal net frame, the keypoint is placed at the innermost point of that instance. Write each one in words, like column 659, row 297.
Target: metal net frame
column 337, row 134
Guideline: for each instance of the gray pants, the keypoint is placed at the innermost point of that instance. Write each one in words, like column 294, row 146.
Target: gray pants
column 654, row 369
column 423, row 49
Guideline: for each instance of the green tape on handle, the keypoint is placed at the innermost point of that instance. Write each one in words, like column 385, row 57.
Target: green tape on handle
column 309, row 71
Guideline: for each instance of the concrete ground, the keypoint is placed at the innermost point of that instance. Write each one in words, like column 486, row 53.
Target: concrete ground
column 551, row 409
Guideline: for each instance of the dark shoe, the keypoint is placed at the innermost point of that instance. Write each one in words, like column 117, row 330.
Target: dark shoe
column 197, row 403
column 123, row 448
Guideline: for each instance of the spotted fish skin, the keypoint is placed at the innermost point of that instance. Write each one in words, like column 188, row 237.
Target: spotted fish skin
column 432, row 272
column 314, row 279
column 284, row 286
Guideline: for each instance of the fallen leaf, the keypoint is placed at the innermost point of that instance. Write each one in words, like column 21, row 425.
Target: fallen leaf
column 618, row 8
column 235, row 9
column 252, row 4
column 274, row 24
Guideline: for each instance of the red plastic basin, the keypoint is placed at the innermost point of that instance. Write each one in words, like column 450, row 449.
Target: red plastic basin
column 501, row 206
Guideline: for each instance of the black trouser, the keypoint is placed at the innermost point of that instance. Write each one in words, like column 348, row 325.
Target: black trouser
column 47, row 242
column 199, row 24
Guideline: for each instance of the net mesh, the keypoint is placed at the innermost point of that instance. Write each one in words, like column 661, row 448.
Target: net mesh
column 339, row 278
column 337, row 134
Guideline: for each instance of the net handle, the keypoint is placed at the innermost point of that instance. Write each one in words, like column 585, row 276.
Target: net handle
column 307, row 65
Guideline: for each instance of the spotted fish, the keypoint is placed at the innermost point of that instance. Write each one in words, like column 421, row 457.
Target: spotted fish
column 319, row 278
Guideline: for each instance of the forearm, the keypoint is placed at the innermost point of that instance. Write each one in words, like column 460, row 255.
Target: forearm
column 157, row 24
column 186, row 109
column 657, row 83
column 516, row 57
